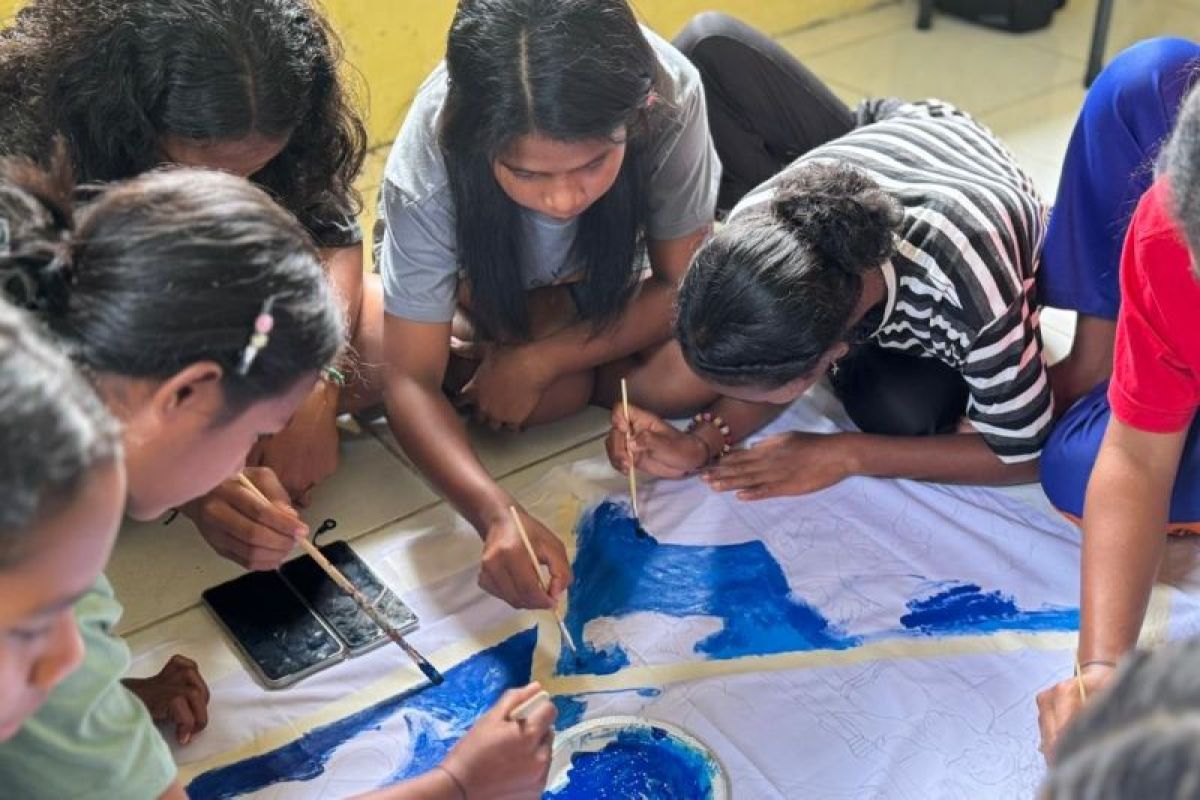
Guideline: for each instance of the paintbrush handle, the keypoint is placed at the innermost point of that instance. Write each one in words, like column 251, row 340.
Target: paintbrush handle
column 526, row 708
column 629, row 448
column 344, row 584
column 367, row 608
column 349, row 588
column 537, row 568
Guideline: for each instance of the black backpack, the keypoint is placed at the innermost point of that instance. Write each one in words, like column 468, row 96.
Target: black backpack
column 1015, row 16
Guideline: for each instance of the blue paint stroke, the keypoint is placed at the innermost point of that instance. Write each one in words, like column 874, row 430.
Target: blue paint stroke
column 570, row 710
column 965, row 608
column 572, row 707
column 643, row 762
column 618, row 572
column 436, row 718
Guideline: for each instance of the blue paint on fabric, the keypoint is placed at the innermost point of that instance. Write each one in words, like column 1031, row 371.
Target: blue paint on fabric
column 619, row 572
column 965, row 608
column 436, row 718
column 570, row 710
column 572, row 707
column 639, row 763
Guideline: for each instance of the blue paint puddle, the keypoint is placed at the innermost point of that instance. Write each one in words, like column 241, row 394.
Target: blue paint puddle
column 967, row 609
column 619, row 572
column 436, row 717
column 639, row 763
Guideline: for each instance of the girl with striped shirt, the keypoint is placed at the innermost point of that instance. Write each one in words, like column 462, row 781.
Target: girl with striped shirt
column 900, row 258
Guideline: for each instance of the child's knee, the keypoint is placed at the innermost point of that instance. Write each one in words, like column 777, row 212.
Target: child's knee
column 701, row 27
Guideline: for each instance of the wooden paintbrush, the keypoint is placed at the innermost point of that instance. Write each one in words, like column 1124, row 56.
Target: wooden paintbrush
column 562, row 626
column 629, row 449
column 349, row 588
column 522, row 711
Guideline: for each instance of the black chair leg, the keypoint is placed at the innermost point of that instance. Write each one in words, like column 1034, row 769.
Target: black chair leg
column 925, row 15
column 1099, row 41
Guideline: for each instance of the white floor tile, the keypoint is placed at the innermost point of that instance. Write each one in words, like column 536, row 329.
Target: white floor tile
column 1037, row 130
column 504, row 453
column 847, row 94
column 836, row 33
column 1132, row 21
column 1040, row 125
column 978, row 69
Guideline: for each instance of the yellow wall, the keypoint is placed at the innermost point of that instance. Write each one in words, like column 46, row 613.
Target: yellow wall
column 394, row 43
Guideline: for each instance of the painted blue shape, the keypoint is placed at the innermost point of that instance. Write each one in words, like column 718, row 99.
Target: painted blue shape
column 620, row 572
column 642, row 762
column 570, row 710
column 572, row 707
column 436, row 717
column 965, row 608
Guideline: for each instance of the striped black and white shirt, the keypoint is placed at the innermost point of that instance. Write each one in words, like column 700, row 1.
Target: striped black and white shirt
column 960, row 285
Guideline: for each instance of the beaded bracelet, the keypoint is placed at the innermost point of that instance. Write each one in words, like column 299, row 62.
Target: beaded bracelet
column 709, row 418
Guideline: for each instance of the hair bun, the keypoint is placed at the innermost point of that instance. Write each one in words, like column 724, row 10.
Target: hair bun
column 36, row 234
column 841, row 213
column 37, row 281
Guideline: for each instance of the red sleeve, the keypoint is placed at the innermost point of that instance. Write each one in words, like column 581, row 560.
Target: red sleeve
column 1156, row 365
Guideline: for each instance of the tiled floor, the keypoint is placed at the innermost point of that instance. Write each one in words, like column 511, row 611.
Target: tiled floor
column 1027, row 88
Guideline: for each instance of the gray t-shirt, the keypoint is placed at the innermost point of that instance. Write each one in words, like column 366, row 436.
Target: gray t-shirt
column 417, row 257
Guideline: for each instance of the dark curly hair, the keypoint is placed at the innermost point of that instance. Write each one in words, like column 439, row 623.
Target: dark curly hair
column 115, row 76
column 776, row 288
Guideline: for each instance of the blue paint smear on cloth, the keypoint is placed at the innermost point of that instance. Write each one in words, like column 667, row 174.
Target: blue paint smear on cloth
column 572, row 707
column 967, row 609
column 570, row 711
column 436, row 717
column 639, row 763
column 619, row 572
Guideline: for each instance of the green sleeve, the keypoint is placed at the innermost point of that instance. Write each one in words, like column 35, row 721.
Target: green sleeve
column 92, row 738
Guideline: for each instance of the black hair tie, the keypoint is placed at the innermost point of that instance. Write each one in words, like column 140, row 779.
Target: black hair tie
column 19, row 287
column 324, row 527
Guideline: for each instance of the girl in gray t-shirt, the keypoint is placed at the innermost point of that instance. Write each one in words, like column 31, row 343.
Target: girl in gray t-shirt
column 542, row 201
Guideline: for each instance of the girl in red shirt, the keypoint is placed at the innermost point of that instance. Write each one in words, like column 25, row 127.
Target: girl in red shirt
column 1147, row 472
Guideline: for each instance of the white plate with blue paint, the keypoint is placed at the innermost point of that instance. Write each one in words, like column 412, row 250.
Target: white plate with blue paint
column 633, row 758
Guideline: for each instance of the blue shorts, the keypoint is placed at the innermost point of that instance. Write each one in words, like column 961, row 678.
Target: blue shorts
column 1127, row 115
column 1071, row 452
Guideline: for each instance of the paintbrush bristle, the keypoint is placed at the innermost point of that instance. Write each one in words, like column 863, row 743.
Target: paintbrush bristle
column 431, row 673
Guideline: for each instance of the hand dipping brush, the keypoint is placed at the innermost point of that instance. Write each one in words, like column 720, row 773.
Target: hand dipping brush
column 346, row 586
